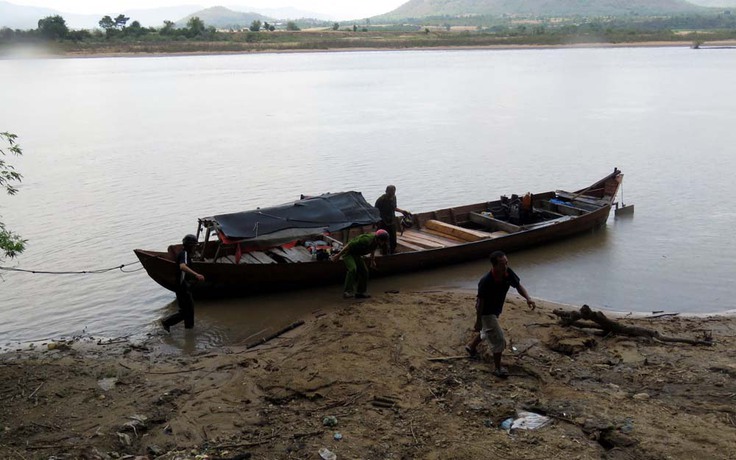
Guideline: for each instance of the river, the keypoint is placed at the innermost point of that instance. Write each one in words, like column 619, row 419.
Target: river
column 124, row 153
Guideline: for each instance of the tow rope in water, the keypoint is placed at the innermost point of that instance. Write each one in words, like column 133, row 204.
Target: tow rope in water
column 81, row 272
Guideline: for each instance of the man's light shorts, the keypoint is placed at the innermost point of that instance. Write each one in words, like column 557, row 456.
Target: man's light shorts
column 491, row 332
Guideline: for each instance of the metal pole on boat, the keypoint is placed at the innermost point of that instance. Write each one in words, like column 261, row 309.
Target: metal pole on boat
column 624, row 210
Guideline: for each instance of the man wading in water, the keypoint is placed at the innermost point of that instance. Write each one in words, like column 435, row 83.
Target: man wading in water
column 183, row 290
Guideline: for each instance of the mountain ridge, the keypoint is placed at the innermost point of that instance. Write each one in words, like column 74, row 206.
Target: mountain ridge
column 543, row 8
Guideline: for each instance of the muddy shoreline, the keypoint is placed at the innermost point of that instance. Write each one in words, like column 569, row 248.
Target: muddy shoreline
column 392, row 372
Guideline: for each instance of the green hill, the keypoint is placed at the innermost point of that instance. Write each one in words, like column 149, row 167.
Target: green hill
column 223, row 18
column 540, row 8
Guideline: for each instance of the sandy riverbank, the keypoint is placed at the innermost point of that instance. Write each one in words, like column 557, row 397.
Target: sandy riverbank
column 152, row 51
column 369, row 365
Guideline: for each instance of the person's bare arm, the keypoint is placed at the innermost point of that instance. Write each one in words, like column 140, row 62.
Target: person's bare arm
column 522, row 290
column 185, row 268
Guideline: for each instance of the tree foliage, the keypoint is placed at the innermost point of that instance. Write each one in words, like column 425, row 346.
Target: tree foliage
column 11, row 244
column 255, row 26
column 53, row 28
column 106, row 23
column 195, row 26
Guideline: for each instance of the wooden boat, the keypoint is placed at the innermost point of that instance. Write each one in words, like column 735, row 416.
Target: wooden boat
column 284, row 247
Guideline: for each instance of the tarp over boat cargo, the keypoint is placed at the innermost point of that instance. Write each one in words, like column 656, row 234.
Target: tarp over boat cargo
column 329, row 212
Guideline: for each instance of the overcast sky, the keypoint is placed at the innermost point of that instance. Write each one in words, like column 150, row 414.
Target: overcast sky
column 339, row 9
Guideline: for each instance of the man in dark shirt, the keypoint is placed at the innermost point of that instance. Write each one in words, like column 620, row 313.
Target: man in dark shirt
column 183, row 292
column 386, row 205
column 492, row 290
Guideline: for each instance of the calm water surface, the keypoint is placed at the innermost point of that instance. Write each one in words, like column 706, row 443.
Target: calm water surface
column 126, row 153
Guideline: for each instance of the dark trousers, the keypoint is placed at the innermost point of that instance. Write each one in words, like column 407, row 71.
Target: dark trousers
column 391, row 229
column 186, row 310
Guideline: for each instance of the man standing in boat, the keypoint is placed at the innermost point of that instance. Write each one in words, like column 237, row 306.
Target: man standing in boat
column 356, row 279
column 183, row 291
column 386, row 205
column 492, row 290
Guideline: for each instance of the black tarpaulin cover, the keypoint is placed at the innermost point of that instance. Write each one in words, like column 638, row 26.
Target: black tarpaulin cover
column 329, row 212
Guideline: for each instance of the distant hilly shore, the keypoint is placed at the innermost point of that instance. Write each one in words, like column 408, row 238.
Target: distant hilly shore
column 26, row 17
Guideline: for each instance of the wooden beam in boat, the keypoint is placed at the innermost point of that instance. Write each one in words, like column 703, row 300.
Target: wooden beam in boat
column 492, row 223
column 458, row 232
column 582, row 198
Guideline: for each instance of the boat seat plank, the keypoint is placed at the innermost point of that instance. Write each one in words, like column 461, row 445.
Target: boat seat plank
column 569, row 210
column 261, row 257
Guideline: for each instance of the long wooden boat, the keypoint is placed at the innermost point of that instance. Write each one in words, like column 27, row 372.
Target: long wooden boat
column 284, row 247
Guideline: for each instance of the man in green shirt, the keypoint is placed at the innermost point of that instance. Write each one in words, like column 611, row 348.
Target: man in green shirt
column 356, row 279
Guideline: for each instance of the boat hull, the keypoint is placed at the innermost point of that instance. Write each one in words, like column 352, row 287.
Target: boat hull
column 230, row 279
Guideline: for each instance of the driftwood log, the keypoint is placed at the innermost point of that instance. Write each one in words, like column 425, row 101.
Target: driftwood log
column 587, row 318
column 291, row 326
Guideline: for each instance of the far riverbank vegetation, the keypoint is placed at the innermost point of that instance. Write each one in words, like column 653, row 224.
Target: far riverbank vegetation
column 120, row 35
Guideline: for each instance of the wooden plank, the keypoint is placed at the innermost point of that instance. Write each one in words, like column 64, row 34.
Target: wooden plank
column 226, row 259
column 423, row 235
column 298, row 254
column 262, row 257
column 424, row 244
column 408, row 245
column 458, row 232
column 248, row 259
column 442, row 236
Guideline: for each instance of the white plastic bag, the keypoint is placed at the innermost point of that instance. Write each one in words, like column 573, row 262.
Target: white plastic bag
column 327, row 454
column 529, row 421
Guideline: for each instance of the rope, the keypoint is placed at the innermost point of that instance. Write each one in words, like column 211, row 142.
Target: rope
column 82, row 272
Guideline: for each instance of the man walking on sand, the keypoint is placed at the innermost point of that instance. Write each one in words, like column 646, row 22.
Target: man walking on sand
column 492, row 290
